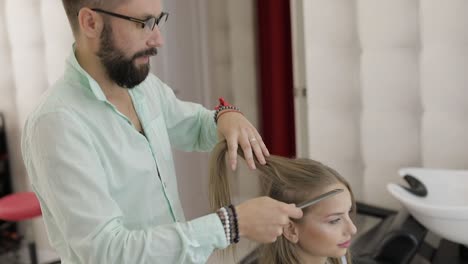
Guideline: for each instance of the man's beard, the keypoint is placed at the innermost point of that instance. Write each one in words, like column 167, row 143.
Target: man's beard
column 120, row 69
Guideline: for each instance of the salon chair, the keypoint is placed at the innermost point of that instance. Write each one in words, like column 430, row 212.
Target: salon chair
column 22, row 206
column 15, row 208
column 395, row 239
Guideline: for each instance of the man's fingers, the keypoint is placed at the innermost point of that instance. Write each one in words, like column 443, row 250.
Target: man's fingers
column 294, row 212
column 255, row 143
column 232, row 153
column 264, row 149
column 251, row 143
column 261, row 144
column 247, row 149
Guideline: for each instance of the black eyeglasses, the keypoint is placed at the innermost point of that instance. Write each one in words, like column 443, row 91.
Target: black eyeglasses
column 148, row 23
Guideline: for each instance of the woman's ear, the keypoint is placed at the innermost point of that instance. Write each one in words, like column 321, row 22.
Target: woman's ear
column 291, row 232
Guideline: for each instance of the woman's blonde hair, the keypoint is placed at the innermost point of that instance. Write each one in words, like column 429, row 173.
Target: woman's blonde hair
column 284, row 179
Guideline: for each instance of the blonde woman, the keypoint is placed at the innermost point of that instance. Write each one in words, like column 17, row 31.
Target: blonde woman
column 323, row 234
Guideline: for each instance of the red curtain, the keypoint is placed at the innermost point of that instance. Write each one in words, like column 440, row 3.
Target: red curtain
column 276, row 76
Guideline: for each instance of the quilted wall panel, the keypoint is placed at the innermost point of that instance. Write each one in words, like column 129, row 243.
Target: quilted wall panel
column 391, row 108
column 387, row 88
column 444, row 83
column 333, row 96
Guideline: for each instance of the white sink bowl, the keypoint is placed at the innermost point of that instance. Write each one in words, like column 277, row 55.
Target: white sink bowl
column 444, row 210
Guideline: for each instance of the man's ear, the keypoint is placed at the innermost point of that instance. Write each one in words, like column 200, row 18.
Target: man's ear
column 90, row 23
column 291, row 232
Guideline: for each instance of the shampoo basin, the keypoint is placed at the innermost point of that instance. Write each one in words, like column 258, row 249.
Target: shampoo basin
column 438, row 199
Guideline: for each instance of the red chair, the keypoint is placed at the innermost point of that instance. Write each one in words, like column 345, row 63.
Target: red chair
column 18, row 207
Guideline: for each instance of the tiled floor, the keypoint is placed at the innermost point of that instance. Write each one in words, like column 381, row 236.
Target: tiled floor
column 22, row 257
column 15, row 257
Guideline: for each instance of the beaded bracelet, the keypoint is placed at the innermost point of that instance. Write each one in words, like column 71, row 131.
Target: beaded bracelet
column 231, row 220
column 223, row 216
column 227, row 226
column 223, row 109
column 223, row 106
column 236, row 225
column 228, row 218
column 227, row 111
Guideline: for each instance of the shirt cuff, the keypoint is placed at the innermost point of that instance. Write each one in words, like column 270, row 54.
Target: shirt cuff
column 213, row 129
column 209, row 228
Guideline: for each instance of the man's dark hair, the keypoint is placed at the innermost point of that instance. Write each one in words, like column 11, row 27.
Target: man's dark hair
column 72, row 7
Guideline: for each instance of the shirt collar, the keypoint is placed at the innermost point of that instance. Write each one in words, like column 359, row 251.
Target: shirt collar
column 75, row 71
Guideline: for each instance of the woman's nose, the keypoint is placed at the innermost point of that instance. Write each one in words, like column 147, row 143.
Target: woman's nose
column 351, row 227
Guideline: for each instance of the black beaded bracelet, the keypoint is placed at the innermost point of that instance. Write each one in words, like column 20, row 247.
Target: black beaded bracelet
column 236, row 225
column 222, row 108
column 231, row 220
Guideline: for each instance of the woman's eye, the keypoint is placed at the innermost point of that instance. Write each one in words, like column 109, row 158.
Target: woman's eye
column 335, row 221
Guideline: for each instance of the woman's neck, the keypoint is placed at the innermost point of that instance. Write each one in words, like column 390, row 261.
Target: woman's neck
column 307, row 258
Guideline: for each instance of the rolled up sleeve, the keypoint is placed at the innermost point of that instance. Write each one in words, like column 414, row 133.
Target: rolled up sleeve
column 190, row 126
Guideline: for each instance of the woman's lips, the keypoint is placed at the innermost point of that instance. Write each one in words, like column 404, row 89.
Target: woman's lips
column 345, row 244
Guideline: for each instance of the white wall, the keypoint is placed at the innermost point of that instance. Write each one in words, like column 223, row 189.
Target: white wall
column 444, row 83
column 333, row 89
column 386, row 88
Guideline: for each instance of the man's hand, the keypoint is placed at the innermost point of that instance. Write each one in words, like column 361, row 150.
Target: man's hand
column 262, row 219
column 237, row 130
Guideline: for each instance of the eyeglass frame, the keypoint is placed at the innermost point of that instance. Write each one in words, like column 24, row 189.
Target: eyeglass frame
column 144, row 23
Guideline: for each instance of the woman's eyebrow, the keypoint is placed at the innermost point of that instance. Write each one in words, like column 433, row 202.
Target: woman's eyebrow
column 339, row 213
column 335, row 214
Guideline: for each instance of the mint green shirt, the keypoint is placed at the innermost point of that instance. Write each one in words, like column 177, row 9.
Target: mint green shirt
column 109, row 194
